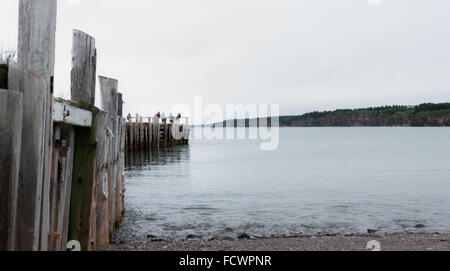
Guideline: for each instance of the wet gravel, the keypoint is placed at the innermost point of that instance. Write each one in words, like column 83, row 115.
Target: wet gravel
column 393, row 242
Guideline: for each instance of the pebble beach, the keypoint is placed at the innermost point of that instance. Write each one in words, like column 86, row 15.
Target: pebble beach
column 393, row 242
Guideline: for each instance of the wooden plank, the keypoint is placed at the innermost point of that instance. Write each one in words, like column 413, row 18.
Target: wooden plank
column 136, row 134
column 101, row 184
column 37, row 27
column 146, row 133
column 150, row 134
column 156, row 131
column 120, row 192
column 82, row 224
column 166, row 133
column 109, row 95
column 132, row 129
column 93, row 212
column 64, row 112
column 141, row 136
column 64, row 138
column 63, row 217
column 84, row 68
column 11, row 106
column 83, row 182
column 36, row 52
column 128, row 146
column 109, row 103
column 56, row 167
column 34, row 90
column 45, row 235
column 120, row 105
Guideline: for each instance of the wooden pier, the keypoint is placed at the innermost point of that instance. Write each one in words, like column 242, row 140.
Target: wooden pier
column 62, row 161
column 153, row 132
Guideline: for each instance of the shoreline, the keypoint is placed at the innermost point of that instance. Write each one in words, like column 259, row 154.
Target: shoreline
column 338, row 242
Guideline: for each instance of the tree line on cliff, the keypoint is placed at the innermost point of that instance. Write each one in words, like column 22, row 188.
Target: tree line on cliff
column 427, row 114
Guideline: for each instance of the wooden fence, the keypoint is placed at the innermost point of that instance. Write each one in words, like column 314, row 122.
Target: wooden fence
column 62, row 162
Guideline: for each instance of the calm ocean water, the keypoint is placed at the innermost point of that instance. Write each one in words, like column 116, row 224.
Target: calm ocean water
column 334, row 180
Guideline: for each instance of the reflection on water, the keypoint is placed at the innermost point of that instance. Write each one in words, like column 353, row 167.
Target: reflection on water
column 335, row 180
column 156, row 157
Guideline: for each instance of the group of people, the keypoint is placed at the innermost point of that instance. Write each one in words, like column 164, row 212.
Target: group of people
column 162, row 117
column 171, row 117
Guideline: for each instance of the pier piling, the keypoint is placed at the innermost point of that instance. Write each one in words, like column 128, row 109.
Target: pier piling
column 11, row 106
column 144, row 136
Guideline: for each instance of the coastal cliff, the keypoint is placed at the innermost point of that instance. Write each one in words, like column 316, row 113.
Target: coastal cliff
column 421, row 115
column 432, row 115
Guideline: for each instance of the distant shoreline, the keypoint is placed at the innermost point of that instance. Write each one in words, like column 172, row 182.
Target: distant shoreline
column 423, row 115
column 355, row 126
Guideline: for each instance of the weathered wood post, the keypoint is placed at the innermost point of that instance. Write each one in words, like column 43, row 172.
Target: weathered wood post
column 132, row 135
column 144, row 141
column 137, row 133
column 144, row 145
column 11, row 106
column 101, row 219
column 127, row 143
column 84, row 68
column 34, row 78
column 156, row 131
column 61, row 187
column 83, row 92
column 83, row 182
column 82, row 203
column 32, row 156
column 120, row 179
column 150, row 134
column 120, row 104
column 166, row 133
column 109, row 103
column 141, row 134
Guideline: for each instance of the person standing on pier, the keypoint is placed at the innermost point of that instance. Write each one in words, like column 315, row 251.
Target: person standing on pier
column 163, row 118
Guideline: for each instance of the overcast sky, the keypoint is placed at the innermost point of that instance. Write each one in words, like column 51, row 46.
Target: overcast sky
column 302, row 54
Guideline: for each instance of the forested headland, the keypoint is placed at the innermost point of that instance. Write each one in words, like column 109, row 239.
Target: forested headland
column 427, row 114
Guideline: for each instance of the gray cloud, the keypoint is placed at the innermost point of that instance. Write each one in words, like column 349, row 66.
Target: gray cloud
column 304, row 55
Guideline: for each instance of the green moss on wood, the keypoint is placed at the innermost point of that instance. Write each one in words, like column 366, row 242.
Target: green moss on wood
column 83, row 183
column 79, row 104
column 85, row 106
